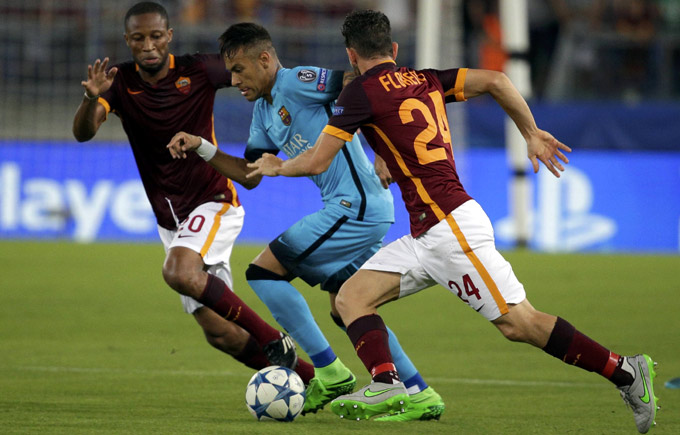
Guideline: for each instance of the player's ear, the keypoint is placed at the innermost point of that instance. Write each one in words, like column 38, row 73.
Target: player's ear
column 352, row 55
column 170, row 32
column 127, row 41
column 264, row 58
column 395, row 49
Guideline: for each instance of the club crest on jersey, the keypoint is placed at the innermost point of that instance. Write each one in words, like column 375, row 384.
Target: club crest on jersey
column 323, row 78
column 183, row 84
column 285, row 116
column 306, row 75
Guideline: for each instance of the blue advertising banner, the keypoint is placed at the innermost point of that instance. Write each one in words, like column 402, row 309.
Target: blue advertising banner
column 605, row 201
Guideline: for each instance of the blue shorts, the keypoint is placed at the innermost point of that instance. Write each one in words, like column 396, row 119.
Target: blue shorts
column 327, row 248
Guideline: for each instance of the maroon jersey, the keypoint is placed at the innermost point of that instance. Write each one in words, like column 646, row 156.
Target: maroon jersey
column 153, row 114
column 401, row 113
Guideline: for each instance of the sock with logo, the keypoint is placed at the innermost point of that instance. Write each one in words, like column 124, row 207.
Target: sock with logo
column 218, row 296
column 406, row 369
column 371, row 342
column 575, row 348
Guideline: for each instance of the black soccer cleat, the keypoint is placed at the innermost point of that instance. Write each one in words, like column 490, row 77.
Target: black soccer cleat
column 281, row 352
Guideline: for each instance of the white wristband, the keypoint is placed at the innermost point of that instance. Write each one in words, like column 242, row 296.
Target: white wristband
column 206, row 150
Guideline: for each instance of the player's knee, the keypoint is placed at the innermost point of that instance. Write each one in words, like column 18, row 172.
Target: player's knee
column 257, row 273
column 520, row 328
column 186, row 282
column 341, row 303
column 511, row 332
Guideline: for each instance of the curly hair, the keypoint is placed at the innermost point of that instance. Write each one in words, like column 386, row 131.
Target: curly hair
column 368, row 32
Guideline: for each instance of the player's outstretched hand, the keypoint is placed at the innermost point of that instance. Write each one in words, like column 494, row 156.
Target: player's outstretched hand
column 544, row 147
column 98, row 79
column 267, row 165
column 181, row 143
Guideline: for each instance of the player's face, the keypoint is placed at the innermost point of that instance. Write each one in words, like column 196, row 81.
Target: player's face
column 250, row 74
column 148, row 37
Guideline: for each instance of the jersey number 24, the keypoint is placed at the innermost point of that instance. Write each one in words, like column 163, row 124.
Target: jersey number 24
column 436, row 123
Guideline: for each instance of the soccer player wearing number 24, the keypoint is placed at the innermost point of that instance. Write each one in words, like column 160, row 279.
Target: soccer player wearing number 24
column 292, row 106
column 402, row 114
column 197, row 209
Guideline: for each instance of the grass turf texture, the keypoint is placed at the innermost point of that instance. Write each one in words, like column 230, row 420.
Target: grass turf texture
column 93, row 342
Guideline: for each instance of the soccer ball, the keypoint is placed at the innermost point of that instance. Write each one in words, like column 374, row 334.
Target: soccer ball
column 275, row 393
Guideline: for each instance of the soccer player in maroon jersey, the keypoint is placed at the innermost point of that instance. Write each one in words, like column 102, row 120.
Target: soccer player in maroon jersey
column 402, row 114
column 198, row 212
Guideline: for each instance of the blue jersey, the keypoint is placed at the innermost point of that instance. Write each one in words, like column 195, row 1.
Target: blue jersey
column 303, row 100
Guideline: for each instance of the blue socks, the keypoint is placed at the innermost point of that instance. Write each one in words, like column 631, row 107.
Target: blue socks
column 407, row 371
column 291, row 311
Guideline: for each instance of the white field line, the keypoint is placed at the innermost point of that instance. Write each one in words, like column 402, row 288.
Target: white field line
column 225, row 373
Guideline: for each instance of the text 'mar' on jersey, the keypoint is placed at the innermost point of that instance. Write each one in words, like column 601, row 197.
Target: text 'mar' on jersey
column 402, row 114
column 152, row 114
column 302, row 103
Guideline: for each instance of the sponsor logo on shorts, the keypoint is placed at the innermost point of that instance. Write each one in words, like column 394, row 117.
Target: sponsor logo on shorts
column 183, row 84
column 306, row 75
column 323, row 78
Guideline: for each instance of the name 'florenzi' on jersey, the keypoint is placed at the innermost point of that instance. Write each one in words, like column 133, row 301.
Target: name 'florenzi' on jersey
column 400, row 80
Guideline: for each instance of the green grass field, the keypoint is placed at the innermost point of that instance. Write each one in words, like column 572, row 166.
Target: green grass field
column 92, row 341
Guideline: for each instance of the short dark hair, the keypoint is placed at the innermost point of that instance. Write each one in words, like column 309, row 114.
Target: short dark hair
column 368, row 32
column 147, row 8
column 244, row 36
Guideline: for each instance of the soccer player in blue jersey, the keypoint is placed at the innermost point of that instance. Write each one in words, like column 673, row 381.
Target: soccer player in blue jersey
column 291, row 108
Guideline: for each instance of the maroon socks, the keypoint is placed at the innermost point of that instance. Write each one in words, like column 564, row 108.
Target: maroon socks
column 371, row 342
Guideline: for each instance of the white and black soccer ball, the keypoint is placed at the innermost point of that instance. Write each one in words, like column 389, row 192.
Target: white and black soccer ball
column 275, row 393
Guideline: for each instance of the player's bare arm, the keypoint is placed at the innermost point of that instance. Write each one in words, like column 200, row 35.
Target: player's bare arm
column 312, row 162
column 541, row 145
column 90, row 114
column 226, row 164
column 382, row 172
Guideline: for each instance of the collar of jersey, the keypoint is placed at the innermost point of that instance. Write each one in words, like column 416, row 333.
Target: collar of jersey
column 279, row 79
column 388, row 64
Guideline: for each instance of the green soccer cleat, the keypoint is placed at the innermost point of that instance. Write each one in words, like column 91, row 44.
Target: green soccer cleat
column 318, row 394
column 639, row 395
column 375, row 398
column 425, row 405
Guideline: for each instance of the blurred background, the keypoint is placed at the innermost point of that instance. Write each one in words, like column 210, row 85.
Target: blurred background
column 603, row 77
